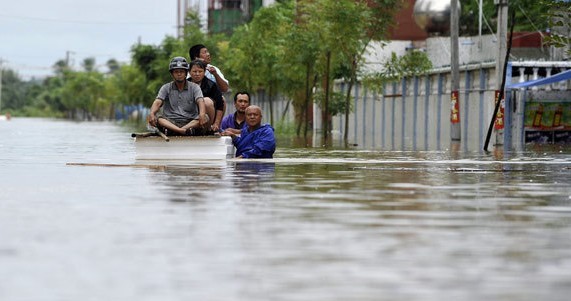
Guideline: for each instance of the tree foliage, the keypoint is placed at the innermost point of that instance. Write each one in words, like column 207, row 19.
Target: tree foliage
column 413, row 63
column 558, row 13
column 526, row 18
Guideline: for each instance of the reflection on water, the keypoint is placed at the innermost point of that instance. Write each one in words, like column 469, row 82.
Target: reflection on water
column 313, row 224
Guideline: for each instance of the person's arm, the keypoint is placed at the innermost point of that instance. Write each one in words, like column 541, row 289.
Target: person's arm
column 228, row 132
column 155, row 107
column 221, row 82
column 227, row 125
column 217, row 119
column 157, row 104
column 234, row 131
column 218, row 106
column 199, row 100
column 201, row 111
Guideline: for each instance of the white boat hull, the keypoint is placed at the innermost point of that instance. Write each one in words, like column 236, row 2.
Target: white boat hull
column 184, row 148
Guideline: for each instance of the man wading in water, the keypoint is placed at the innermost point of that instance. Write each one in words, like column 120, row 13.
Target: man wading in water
column 256, row 140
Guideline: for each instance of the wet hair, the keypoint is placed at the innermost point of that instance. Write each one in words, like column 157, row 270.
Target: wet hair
column 198, row 63
column 194, row 51
column 242, row 92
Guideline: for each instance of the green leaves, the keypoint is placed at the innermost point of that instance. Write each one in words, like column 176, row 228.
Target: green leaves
column 413, row 63
column 559, row 16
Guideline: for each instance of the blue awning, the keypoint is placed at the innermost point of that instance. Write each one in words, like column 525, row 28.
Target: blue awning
column 566, row 75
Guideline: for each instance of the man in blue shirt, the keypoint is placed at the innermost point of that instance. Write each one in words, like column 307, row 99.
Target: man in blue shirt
column 235, row 122
column 256, row 140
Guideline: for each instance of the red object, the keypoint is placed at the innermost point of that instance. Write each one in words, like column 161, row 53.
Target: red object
column 499, row 122
column 405, row 28
column 454, row 107
column 538, row 116
column 527, row 40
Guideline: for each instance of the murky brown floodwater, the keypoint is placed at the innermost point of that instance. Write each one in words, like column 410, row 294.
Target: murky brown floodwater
column 313, row 224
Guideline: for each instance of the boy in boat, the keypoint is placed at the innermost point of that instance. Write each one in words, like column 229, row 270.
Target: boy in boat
column 184, row 111
column 256, row 140
column 235, row 122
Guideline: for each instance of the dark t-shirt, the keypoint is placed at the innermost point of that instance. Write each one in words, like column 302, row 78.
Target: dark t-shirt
column 210, row 89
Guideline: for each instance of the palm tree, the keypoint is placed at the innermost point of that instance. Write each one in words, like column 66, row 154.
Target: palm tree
column 88, row 64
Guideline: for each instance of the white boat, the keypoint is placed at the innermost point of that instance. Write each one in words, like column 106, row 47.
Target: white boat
column 151, row 147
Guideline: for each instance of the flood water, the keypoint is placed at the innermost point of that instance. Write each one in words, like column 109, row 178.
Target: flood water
column 313, row 224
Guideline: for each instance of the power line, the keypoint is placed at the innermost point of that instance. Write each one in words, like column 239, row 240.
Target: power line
column 486, row 21
column 94, row 22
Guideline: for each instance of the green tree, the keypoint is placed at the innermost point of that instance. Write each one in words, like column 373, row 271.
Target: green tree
column 240, row 64
column 83, row 93
column 113, row 66
column 301, row 74
column 144, row 57
column 88, row 64
column 13, row 91
column 60, row 67
column 256, row 52
column 558, row 14
column 47, row 100
column 395, row 68
column 347, row 26
column 127, row 87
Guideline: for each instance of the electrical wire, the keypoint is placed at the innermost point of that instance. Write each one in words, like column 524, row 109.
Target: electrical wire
column 530, row 21
column 89, row 22
column 486, row 22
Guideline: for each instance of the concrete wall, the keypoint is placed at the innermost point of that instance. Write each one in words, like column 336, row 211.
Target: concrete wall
column 414, row 114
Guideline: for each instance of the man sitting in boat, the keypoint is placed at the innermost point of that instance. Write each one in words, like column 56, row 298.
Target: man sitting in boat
column 256, row 140
column 235, row 122
column 184, row 111
column 213, row 100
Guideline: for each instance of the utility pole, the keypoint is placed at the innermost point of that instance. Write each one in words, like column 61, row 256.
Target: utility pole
column 68, row 59
column 501, row 51
column 480, row 15
column 455, row 128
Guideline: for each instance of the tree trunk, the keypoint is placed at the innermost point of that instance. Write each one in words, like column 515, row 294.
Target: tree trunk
column 282, row 119
column 325, row 115
column 304, row 117
column 348, row 99
column 270, row 101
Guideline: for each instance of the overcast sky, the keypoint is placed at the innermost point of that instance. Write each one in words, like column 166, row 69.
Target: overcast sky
column 34, row 34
